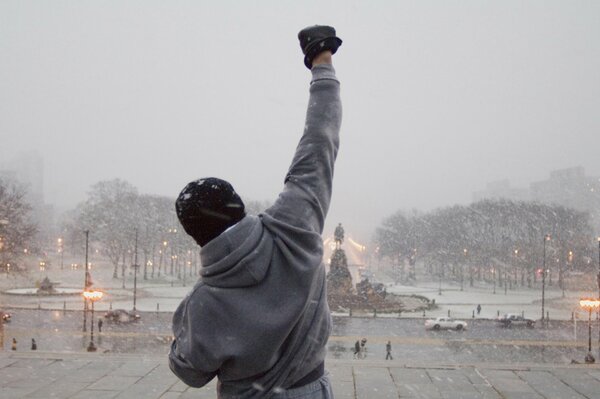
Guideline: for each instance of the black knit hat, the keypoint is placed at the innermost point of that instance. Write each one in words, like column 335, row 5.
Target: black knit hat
column 207, row 207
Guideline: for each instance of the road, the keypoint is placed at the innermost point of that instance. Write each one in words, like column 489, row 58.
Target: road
column 483, row 341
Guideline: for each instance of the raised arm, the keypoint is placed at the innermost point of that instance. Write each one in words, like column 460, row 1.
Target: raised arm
column 305, row 199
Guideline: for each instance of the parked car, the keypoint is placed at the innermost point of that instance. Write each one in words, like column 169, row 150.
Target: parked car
column 510, row 320
column 121, row 316
column 446, row 323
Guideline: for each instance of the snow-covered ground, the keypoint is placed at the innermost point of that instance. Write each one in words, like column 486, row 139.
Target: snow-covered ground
column 463, row 304
column 165, row 293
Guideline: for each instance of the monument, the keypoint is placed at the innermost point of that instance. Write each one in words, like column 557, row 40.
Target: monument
column 341, row 293
column 338, row 236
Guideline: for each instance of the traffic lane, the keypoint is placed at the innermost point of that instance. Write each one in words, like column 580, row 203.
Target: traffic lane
column 477, row 329
column 160, row 323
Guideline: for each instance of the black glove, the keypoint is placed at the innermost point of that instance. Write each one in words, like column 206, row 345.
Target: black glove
column 316, row 39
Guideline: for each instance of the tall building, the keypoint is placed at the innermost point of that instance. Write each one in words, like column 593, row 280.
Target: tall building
column 502, row 189
column 571, row 188
column 28, row 170
column 567, row 187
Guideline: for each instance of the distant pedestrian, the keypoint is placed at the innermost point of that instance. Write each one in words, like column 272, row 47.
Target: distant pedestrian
column 33, row 345
column 356, row 349
column 388, row 351
column 363, row 348
column 14, row 344
column 478, row 309
column 100, row 322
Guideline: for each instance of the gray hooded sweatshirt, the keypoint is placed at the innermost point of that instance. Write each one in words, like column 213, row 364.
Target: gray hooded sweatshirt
column 258, row 319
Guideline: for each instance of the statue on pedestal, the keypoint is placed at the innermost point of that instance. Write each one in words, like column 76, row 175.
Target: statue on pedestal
column 338, row 236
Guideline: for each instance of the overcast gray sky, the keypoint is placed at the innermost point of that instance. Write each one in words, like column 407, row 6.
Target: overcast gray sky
column 440, row 97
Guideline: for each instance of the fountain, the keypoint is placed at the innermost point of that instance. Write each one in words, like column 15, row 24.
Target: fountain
column 45, row 288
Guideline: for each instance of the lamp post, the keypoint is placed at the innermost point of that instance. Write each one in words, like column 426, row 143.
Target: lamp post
column 60, row 250
column 135, row 269
column 598, row 297
column 563, row 270
column 160, row 261
column 462, row 270
column 3, row 222
column 440, row 286
column 546, row 238
column 86, row 283
column 589, row 304
column 516, row 268
column 174, row 232
column 92, row 296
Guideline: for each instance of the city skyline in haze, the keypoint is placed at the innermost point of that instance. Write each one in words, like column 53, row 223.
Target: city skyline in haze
column 440, row 98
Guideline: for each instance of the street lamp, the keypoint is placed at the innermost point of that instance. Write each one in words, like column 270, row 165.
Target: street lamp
column 516, row 268
column 440, row 286
column 92, row 296
column 87, row 280
column 60, row 251
column 160, row 261
column 462, row 270
column 599, row 297
column 546, row 238
column 174, row 232
column 174, row 259
column 135, row 270
column 589, row 304
column 598, row 277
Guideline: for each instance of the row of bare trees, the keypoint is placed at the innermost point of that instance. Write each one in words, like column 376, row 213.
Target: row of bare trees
column 499, row 240
column 114, row 210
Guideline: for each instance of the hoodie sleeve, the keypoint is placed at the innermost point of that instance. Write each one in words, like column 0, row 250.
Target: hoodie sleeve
column 182, row 353
column 305, row 199
column 186, row 372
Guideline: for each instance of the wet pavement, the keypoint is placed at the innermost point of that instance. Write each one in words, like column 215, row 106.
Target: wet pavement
column 79, row 376
column 483, row 341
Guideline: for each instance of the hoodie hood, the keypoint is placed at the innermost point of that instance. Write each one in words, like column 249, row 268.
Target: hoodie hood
column 228, row 264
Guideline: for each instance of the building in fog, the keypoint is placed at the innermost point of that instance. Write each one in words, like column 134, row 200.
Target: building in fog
column 567, row 187
column 502, row 189
column 571, row 188
column 27, row 169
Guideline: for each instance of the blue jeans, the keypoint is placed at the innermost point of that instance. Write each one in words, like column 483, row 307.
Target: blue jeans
column 319, row 389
